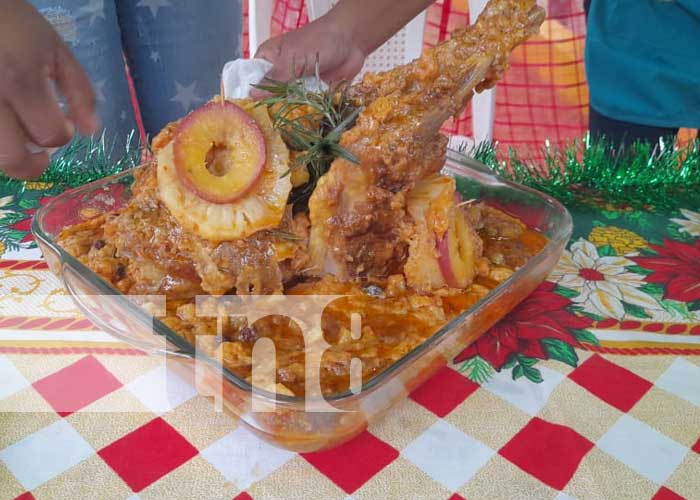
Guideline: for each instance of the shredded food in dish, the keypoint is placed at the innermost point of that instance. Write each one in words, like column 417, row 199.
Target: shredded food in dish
column 390, row 233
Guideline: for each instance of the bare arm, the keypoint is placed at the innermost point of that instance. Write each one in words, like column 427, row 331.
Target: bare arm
column 373, row 22
column 342, row 38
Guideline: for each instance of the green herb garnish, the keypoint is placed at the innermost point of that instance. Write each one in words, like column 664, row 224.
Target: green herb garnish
column 311, row 123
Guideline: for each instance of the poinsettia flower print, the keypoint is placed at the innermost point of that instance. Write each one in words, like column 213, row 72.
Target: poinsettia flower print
column 604, row 283
column 542, row 315
column 677, row 267
column 690, row 224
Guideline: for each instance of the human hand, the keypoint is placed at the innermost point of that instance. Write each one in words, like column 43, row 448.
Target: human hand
column 342, row 39
column 338, row 56
column 32, row 59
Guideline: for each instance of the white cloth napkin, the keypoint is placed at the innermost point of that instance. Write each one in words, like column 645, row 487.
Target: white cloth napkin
column 238, row 77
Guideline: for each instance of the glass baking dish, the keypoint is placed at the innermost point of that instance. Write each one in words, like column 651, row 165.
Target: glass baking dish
column 291, row 422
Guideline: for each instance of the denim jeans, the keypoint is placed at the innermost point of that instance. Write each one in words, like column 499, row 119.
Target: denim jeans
column 175, row 51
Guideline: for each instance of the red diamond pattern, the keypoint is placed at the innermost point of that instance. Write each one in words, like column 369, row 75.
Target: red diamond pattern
column 696, row 446
column 666, row 494
column 76, row 386
column 550, row 452
column 147, row 454
column 456, row 497
column 243, row 496
column 352, row 464
column 25, row 496
column 613, row 384
column 444, row 391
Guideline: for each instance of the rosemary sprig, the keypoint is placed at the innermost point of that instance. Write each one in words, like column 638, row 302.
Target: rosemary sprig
column 311, row 123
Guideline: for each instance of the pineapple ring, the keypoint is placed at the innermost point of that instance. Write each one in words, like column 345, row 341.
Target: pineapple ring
column 261, row 208
column 219, row 152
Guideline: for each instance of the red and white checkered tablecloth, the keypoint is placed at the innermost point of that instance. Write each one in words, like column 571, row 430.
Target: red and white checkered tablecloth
column 589, row 390
column 83, row 416
column 598, row 400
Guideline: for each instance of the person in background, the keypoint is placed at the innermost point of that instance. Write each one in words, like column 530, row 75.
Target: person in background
column 643, row 68
column 62, row 63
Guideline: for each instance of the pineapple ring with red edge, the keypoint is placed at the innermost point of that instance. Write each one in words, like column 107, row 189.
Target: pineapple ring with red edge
column 219, row 152
column 457, row 252
column 429, row 204
column 443, row 247
column 261, row 208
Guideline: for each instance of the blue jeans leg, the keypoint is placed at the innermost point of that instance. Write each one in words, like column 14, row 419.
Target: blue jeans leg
column 91, row 30
column 176, row 50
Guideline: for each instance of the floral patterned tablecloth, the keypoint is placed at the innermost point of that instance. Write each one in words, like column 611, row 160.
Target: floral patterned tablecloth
column 589, row 389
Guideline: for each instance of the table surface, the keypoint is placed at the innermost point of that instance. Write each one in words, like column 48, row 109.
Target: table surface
column 597, row 395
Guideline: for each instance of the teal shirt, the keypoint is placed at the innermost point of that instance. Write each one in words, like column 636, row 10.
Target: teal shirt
column 643, row 61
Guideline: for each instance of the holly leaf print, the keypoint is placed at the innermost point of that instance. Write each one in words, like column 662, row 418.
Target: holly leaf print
column 585, row 337
column 580, row 310
column 566, row 292
column 525, row 368
column 525, row 361
column 561, row 351
column 511, row 362
column 606, row 251
column 638, row 270
column 641, row 219
column 612, row 215
column 676, row 308
column 27, row 203
column 532, row 374
column 636, row 311
column 648, row 252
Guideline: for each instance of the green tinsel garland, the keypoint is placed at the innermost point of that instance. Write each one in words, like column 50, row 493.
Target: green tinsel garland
column 641, row 177
column 85, row 160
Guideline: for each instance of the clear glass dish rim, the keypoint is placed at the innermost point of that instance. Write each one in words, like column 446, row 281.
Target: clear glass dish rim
column 561, row 235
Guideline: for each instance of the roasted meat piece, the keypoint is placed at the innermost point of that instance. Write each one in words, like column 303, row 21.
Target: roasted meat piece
column 163, row 257
column 398, row 142
column 391, row 235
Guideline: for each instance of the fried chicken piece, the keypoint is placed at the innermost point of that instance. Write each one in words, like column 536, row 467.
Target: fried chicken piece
column 357, row 213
